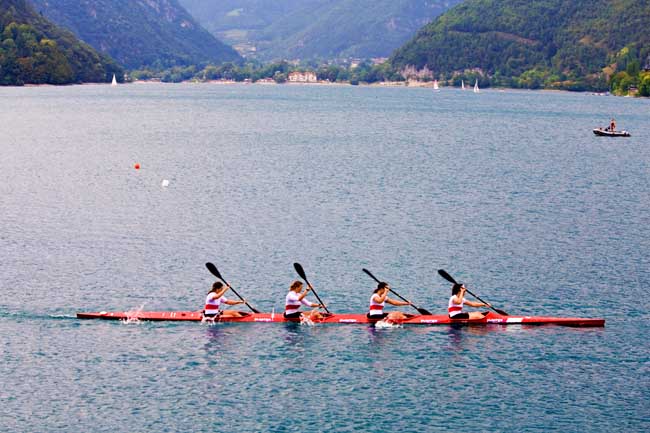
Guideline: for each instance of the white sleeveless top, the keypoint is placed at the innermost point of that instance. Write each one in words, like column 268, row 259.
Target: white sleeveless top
column 292, row 302
column 212, row 305
column 454, row 308
column 376, row 308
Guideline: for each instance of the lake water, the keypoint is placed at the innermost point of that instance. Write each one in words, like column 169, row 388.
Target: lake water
column 508, row 191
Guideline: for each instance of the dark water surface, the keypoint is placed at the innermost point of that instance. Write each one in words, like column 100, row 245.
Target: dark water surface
column 508, row 191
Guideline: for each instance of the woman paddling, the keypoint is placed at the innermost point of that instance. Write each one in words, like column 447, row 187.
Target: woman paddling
column 214, row 300
column 457, row 301
column 378, row 300
column 295, row 298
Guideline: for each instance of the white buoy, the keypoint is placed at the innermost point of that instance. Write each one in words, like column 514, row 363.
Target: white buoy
column 165, row 183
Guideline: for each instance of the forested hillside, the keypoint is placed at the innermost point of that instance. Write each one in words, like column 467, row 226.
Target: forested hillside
column 308, row 29
column 35, row 51
column 139, row 33
column 568, row 44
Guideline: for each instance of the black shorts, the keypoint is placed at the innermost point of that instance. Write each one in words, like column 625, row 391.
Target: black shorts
column 212, row 316
column 295, row 315
column 460, row 316
column 381, row 316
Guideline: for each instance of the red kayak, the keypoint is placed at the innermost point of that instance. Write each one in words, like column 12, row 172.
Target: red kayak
column 489, row 319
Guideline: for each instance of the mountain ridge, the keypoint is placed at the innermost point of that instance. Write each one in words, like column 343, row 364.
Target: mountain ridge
column 33, row 50
column 139, row 32
column 572, row 44
column 308, row 29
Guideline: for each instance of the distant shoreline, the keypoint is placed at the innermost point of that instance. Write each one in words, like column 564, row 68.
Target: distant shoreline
column 404, row 84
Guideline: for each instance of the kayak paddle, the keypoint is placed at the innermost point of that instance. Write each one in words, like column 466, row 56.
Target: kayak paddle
column 214, row 271
column 448, row 277
column 301, row 272
column 420, row 310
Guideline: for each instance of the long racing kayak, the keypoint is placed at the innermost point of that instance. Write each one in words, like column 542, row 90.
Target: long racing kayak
column 490, row 318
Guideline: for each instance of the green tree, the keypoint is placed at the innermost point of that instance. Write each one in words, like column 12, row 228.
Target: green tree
column 644, row 85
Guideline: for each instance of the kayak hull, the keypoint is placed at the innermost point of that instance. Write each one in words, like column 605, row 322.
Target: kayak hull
column 490, row 319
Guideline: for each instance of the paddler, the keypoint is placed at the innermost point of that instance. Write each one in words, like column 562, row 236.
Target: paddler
column 295, row 298
column 378, row 301
column 457, row 301
column 215, row 298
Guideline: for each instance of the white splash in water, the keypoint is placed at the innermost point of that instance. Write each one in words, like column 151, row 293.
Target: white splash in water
column 304, row 320
column 133, row 316
column 211, row 321
column 386, row 324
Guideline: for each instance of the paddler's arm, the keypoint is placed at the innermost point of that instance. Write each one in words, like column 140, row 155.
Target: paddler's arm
column 234, row 302
column 476, row 304
column 221, row 292
column 310, row 304
column 397, row 303
column 303, row 294
column 380, row 298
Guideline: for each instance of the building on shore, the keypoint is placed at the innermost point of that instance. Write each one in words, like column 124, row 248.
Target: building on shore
column 302, row 77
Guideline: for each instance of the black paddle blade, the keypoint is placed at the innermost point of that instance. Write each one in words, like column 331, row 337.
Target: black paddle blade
column 300, row 270
column 370, row 274
column 213, row 270
column 503, row 313
column 424, row 311
column 446, row 276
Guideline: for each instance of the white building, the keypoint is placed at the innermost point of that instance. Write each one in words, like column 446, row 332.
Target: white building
column 303, row 77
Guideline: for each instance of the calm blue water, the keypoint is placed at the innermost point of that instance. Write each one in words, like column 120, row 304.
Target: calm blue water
column 508, row 191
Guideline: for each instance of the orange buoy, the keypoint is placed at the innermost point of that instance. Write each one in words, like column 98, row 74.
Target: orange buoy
column 136, row 166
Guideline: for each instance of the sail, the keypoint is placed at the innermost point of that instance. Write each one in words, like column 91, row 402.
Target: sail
column 476, row 87
column 114, row 82
column 435, row 85
column 462, row 85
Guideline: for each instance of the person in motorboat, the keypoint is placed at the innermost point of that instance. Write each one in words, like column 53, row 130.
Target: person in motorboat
column 297, row 297
column 378, row 301
column 215, row 298
column 612, row 125
column 457, row 301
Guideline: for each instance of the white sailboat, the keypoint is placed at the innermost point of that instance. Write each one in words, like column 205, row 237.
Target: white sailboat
column 435, row 85
column 476, row 86
column 114, row 82
column 462, row 85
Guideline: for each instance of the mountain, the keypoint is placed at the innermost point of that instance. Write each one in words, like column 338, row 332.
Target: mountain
column 139, row 33
column 35, row 51
column 569, row 44
column 307, row 29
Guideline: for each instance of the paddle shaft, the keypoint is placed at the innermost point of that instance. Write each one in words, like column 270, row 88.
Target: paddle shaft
column 301, row 272
column 320, row 301
column 420, row 310
column 214, row 271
